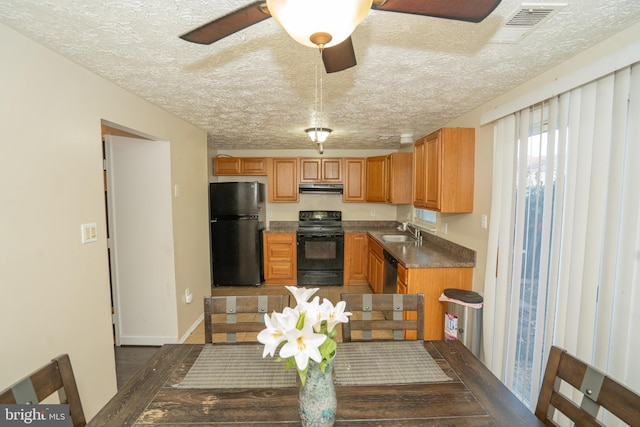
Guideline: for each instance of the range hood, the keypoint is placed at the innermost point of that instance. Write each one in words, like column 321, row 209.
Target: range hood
column 320, row 188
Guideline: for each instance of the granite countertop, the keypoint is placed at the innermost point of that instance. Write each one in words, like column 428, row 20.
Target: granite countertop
column 282, row 227
column 434, row 252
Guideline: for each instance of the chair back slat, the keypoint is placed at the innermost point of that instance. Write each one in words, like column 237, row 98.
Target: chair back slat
column 55, row 376
column 598, row 391
column 402, row 314
column 231, row 315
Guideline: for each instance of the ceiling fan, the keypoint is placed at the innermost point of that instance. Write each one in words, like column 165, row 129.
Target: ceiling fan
column 341, row 56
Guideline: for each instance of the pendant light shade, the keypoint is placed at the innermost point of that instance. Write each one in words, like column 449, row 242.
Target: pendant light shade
column 304, row 18
column 318, row 135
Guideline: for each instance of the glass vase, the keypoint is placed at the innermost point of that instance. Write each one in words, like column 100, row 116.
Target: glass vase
column 317, row 401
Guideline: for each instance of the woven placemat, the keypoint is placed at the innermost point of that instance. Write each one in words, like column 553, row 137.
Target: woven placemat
column 388, row 362
column 237, row 366
column 358, row 363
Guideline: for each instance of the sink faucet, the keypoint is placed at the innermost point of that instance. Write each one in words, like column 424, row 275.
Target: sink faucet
column 416, row 232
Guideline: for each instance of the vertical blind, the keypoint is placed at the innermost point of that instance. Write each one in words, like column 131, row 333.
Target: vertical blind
column 563, row 262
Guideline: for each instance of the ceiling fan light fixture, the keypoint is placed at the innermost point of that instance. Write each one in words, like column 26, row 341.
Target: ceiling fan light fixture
column 303, row 18
column 318, row 135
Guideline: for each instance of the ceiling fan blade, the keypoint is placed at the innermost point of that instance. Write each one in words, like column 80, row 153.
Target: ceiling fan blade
column 460, row 10
column 339, row 57
column 228, row 24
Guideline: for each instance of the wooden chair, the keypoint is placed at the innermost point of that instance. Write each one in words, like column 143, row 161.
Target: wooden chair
column 401, row 313
column 598, row 390
column 58, row 376
column 241, row 314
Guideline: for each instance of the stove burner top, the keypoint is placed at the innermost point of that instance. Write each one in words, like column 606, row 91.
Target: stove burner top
column 320, row 222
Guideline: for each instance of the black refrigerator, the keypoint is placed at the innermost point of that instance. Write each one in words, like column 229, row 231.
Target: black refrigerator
column 237, row 219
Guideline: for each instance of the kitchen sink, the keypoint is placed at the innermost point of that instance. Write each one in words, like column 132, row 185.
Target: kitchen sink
column 397, row 238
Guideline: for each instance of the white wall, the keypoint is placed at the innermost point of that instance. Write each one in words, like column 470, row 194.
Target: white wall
column 54, row 290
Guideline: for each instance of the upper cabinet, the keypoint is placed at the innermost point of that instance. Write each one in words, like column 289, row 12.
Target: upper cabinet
column 327, row 170
column 239, row 165
column 399, row 168
column 376, row 190
column 354, row 179
column 444, row 170
column 282, row 179
column 389, row 178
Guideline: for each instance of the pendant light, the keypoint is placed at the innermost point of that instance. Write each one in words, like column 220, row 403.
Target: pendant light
column 301, row 19
column 318, row 135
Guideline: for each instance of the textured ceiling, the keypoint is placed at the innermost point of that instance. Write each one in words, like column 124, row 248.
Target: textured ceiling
column 256, row 88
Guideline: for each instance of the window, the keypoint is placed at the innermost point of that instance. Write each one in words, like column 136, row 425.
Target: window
column 537, row 172
column 562, row 264
column 426, row 218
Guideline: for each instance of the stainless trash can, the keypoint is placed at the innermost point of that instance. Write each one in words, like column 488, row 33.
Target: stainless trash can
column 463, row 317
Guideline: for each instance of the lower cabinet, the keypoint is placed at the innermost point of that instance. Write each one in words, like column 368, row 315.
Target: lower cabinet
column 431, row 282
column 355, row 258
column 280, row 258
column 376, row 266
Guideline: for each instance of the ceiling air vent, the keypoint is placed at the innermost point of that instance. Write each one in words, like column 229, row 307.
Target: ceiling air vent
column 524, row 20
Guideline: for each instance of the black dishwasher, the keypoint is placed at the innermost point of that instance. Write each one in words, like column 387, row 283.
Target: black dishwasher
column 390, row 273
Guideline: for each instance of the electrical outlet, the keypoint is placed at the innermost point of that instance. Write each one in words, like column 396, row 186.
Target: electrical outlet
column 444, row 228
column 373, row 212
column 483, row 223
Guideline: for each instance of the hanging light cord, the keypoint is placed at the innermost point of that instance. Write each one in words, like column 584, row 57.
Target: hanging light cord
column 319, row 119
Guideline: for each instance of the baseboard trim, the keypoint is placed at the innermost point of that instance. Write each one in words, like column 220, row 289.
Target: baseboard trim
column 191, row 329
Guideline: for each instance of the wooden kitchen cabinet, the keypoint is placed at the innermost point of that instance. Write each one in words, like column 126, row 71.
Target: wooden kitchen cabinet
column 419, row 174
column 444, row 170
column 389, row 178
column 399, row 168
column 280, row 258
column 432, row 282
column 355, row 258
column 376, row 266
column 239, row 166
column 376, row 183
column 402, row 279
column 282, row 179
column 354, row 179
column 325, row 170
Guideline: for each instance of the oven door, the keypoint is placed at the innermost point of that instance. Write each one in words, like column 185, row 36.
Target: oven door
column 320, row 259
column 320, row 251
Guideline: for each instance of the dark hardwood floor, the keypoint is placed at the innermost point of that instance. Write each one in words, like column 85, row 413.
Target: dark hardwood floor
column 129, row 359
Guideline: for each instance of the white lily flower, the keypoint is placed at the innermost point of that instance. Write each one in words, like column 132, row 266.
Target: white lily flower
column 289, row 318
column 272, row 336
column 337, row 315
column 305, row 331
column 303, row 345
column 313, row 313
column 326, row 308
column 301, row 295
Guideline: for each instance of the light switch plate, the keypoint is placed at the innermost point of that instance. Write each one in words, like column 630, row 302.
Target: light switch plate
column 89, row 233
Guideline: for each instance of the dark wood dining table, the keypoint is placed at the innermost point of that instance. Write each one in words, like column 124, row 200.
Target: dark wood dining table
column 472, row 396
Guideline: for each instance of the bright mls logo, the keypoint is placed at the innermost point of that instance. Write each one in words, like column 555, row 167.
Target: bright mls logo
column 34, row 415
